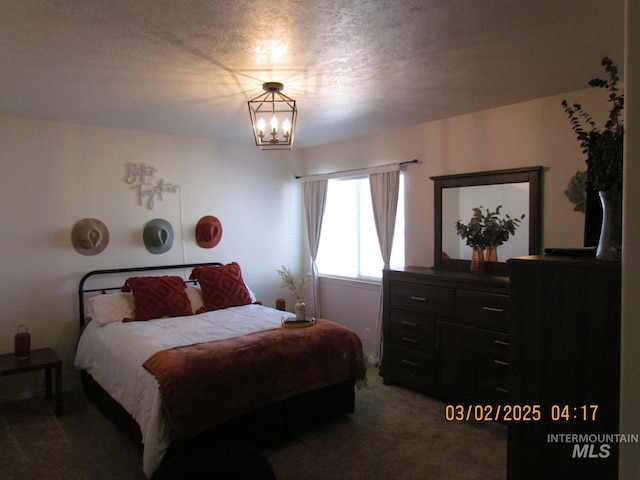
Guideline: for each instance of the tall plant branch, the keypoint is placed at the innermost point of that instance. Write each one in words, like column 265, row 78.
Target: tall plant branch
column 604, row 148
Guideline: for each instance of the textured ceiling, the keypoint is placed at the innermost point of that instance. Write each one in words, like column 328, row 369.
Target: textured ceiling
column 354, row 67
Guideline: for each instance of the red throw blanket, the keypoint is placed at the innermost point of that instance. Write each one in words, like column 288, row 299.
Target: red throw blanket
column 205, row 384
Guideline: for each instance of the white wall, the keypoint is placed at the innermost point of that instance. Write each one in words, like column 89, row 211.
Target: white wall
column 54, row 174
column 630, row 350
column 358, row 309
column 521, row 135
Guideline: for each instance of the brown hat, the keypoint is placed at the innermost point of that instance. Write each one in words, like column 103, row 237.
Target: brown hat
column 89, row 236
column 208, row 232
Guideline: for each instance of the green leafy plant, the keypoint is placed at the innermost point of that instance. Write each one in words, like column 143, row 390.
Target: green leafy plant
column 603, row 147
column 292, row 283
column 487, row 229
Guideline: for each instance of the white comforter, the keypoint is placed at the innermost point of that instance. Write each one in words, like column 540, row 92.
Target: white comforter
column 113, row 354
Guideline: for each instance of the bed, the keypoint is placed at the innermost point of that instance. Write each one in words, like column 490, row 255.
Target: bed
column 174, row 353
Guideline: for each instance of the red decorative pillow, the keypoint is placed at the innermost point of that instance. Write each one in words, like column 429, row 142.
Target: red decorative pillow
column 157, row 297
column 222, row 286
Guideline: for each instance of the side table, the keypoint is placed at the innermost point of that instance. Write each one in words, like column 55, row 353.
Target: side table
column 40, row 359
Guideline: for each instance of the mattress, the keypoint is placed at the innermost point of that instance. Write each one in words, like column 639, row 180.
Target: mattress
column 114, row 355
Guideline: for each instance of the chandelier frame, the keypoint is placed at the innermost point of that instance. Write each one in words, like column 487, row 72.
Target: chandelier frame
column 266, row 106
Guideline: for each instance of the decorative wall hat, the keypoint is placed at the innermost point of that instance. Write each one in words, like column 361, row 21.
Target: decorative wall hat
column 158, row 235
column 208, row 231
column 89, row 236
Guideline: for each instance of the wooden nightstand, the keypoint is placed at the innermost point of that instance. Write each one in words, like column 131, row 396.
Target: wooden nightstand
column 40, row 359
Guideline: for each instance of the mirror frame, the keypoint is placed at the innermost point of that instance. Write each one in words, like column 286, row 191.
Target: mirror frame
column 531, row 175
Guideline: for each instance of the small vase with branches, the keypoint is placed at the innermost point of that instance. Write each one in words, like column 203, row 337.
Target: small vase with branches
column 486, row 230
column 295, row 285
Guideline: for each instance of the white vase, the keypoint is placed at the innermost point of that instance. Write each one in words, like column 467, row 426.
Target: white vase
column 610, row 243
column 300, row 310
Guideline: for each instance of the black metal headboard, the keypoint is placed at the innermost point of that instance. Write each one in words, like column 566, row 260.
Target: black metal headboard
column 82, row 291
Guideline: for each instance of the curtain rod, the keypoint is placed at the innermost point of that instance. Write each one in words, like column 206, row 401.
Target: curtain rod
column 359, row 170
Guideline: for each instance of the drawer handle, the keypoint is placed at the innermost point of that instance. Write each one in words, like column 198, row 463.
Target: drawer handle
column 407, row 339
column 413, row 364
column 500, row 342
column 502, row 390
column 418, row 299
column 411, row 324
column 493, row 309
column 500, row 362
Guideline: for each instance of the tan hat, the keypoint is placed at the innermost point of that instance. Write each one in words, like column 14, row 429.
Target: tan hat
column 208, row 232
column 89, row 236
column 158, row 235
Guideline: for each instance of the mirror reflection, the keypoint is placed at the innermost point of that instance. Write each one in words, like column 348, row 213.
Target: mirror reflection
column 458, row 204
column 518, row 190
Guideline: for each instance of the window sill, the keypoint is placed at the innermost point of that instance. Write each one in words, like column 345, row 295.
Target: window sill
column 370, row 283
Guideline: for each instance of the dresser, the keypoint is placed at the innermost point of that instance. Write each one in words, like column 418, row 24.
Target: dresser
column 564, row 356
column 446, row 333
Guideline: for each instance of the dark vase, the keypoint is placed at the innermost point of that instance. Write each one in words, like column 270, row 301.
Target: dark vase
column 610, row 243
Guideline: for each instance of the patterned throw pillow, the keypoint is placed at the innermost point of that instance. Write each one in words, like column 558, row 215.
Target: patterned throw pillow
column 158, row 297
column 222, row 286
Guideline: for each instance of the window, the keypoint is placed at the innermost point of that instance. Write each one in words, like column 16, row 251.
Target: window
column 348, row 241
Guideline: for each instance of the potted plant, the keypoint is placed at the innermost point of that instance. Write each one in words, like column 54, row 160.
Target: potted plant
column 486, row 230
column 295, row 285
column 604, row 150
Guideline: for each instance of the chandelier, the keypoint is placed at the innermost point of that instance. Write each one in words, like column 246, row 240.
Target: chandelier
column 279, row 112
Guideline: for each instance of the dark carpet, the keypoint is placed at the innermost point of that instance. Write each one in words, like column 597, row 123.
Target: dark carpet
column 395, row 433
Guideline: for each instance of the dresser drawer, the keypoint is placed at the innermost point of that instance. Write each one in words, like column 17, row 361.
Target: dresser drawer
column 492, row 357
column 425, row 299
column 411, row 366
column 482, row 308
column 492, row 345
column 412, row 332
column 493, row 382
column 493, row 388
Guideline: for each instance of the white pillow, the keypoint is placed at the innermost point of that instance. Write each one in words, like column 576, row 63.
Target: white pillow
column 110, row 307
column 251, row 294
column 195, row 297
column 197, row 301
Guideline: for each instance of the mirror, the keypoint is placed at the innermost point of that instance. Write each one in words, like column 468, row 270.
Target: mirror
column 517, row 190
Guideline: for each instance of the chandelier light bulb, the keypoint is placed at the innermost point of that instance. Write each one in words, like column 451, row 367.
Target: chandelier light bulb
column 286, row 126
column 261, row 127
column 274, row 123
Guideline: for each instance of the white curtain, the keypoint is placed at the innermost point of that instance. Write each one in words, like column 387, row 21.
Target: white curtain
column 315, row 196
column 384, row 197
